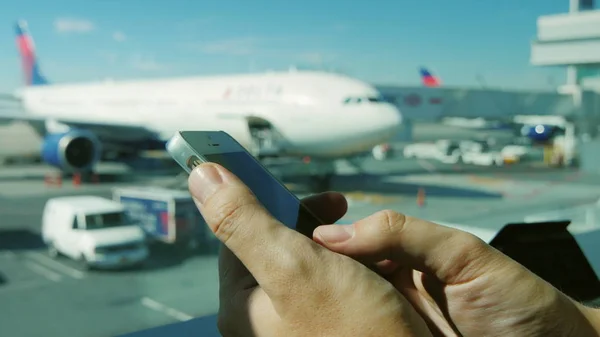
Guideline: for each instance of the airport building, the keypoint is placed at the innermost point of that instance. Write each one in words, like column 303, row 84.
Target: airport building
column 571, row 40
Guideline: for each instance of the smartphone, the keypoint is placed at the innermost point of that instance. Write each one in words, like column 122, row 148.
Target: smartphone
column 191, row 148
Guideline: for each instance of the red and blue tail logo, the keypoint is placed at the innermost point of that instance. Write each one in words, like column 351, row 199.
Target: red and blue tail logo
column 428, row 79
column 26, row 48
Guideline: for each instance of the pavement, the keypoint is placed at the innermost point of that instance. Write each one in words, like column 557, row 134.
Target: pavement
column 39, row 294
column 19, row 141
column 172, row 288
column 49, row 292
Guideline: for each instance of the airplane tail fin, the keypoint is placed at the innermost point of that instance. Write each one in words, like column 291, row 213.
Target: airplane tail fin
column 31, row 69
column 428, row 79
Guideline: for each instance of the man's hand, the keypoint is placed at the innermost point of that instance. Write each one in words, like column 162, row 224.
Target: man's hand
column 277, row 282
column 458, row 283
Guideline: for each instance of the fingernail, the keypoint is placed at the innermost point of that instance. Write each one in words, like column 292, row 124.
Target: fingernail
column 335, row 233
column 204, row 181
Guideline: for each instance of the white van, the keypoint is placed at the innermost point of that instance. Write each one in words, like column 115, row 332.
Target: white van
column 92, row 230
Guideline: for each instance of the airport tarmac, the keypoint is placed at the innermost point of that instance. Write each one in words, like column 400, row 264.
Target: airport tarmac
column 18, row 139
column 42, row 296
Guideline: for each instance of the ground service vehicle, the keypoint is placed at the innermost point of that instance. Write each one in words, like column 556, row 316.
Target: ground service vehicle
column 92, row 230
column 167, row 216
column 446, row 151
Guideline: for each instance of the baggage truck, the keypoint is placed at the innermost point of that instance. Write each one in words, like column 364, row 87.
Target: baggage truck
column 167, row 216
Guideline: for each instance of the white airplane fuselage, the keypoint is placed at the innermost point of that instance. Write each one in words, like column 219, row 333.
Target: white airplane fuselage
column 317, row 114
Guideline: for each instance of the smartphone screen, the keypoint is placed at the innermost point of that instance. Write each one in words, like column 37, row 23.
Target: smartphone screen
column 280, row 202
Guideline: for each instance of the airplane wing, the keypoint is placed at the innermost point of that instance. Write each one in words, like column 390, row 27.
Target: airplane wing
column 9, row 98
column 114, row 132
column 111, row 132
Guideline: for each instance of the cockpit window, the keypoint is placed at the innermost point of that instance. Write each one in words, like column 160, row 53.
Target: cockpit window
column 352, row 100
column 356, row 100
column 375, row 99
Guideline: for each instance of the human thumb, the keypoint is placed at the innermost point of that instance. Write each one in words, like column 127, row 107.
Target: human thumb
column 451, row 255
column 240, row 221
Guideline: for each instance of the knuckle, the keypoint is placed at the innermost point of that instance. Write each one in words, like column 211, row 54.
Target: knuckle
column 390, row 222
column 229, row 215
column 297, row 261
column 465, row 245
column 469, row 241
column 296, row 267
column 466, row 255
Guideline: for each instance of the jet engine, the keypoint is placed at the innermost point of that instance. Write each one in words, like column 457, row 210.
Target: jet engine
column 75, row 150
column 538, row 133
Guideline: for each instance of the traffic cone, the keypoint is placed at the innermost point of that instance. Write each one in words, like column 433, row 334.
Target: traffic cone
column 47, row 180
column 53, row 180
column 421, row 197
column 77, row 179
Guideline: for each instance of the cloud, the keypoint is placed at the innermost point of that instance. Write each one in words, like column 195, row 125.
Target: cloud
column 144, row 63
column 70, row 25
column 119, row 36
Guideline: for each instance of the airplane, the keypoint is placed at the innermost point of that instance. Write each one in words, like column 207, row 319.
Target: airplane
column 382, row 151
column 428, row 79
column 322, row 115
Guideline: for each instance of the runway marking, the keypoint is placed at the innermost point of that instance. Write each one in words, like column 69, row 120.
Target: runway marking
column 44, row 271
column 154, row 305
column 48, row 262
column 22, row 286
column 426, row 165
column 483, row 180
column 8, row 254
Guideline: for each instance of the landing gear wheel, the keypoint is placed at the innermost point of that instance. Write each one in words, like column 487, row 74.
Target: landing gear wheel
column 139, row 265
column 52, row 251
column 83, row 263
column 321, row 183
column 455, row 157
column 260, row 135
column 192, row 246
column 255, row 147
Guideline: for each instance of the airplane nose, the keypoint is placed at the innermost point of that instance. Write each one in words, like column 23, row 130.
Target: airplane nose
column 390, row 120
column 395, row 116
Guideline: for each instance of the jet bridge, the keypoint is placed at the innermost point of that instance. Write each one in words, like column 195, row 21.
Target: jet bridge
column 9, row 105
column 434, row 104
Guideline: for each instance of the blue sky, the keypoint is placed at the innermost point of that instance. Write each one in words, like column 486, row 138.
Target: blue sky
column 380, row 41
